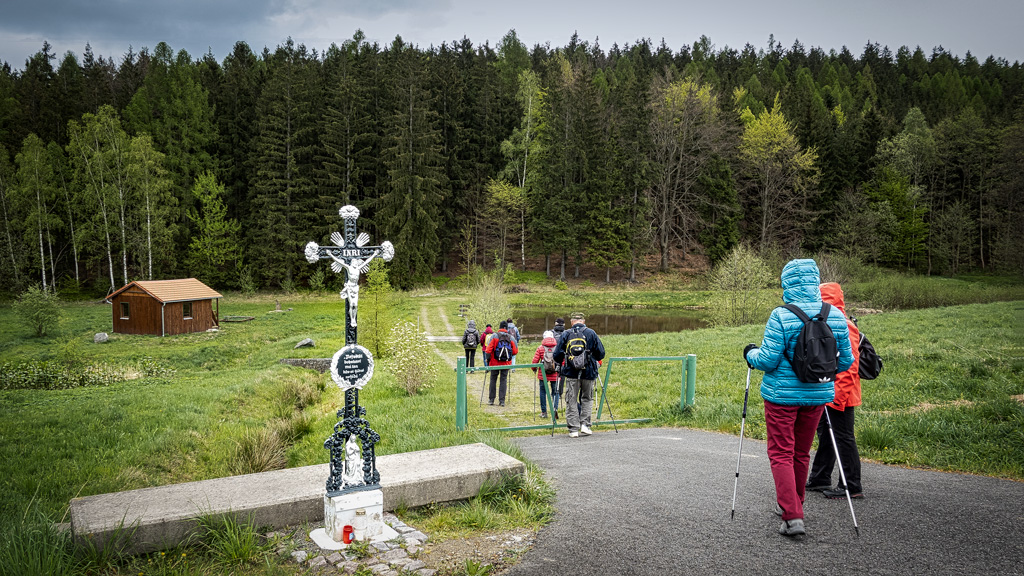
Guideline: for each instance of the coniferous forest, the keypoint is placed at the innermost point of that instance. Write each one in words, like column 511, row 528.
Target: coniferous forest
column 160, row 164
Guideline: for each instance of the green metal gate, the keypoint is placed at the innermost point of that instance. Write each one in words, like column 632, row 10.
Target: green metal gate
column 688, row 379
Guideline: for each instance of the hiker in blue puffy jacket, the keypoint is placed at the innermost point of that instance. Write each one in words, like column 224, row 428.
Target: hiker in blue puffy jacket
column 793, row 408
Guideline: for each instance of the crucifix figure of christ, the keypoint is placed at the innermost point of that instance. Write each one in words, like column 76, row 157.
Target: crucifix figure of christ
column 350, row 255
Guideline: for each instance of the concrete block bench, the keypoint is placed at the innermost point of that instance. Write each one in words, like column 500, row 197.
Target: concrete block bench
column 161, row 517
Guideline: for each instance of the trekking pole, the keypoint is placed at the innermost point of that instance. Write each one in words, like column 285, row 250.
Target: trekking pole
column 842, row 474
column 605, row 396
column 743, row 423
column 482, row 386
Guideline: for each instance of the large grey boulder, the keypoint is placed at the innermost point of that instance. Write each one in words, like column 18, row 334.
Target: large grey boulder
column 100, row 337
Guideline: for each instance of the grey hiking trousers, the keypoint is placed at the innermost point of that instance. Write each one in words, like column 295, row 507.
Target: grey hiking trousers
column 579, row 403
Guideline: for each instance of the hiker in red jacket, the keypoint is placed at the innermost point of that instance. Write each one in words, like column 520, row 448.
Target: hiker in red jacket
column 547, row 373
column 502, row 349
column 840, row 411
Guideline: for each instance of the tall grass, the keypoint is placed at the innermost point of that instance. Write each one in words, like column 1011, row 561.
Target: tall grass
column 893, row 291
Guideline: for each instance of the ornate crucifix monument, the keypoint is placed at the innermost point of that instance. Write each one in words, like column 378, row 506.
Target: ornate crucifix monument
column 353, row 504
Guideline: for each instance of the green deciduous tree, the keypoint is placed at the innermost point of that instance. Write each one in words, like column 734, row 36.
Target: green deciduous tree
column 781, row 177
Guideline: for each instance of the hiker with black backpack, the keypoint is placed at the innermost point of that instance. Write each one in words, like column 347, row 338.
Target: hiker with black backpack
column 470, row 341
column 548, row 375
column 502, row 349
column 806, row 343
column 578, row 351
column 840, row 414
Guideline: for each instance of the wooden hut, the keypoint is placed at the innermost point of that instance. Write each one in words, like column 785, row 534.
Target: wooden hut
column 165, row 307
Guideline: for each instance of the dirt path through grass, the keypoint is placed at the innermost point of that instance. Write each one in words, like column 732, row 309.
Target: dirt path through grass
column 428, row 329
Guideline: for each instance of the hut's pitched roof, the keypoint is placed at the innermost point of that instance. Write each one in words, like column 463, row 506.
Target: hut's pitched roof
column 172, row 290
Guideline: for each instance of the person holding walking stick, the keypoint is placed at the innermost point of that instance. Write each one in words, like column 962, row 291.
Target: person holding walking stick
column 806, row 342
column 840, row 413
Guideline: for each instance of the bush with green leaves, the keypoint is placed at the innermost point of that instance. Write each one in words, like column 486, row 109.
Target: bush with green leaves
column 40, row 310
column 739, row 284
column 376, row 309
column 489, row 303
column 412, row 363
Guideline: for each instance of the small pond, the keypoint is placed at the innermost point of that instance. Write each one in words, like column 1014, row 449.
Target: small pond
column 532, row 322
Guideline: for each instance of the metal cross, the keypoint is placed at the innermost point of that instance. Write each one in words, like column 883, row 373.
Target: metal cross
column 350, row 255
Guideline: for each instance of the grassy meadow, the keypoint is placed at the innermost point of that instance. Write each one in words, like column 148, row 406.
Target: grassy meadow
column 950, row 396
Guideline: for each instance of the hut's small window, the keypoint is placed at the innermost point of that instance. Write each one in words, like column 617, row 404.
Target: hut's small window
column 186, row 310
column 124, row 311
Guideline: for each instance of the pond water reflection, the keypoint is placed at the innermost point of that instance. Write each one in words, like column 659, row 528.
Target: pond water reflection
column 533, row 321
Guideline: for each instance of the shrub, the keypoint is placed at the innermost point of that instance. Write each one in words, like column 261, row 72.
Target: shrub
column 412, row 365
column 561, row 285
column 318, row 280
column 230, row 542
column 739, row 285
column 246, row 282
column 376, row 309
column 39, row 310
column 489, row 301
column 258, row 450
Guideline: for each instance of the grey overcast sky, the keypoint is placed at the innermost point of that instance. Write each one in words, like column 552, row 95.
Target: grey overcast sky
column 983, row 27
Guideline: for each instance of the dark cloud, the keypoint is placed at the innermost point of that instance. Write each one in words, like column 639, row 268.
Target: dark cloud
column 111, row 26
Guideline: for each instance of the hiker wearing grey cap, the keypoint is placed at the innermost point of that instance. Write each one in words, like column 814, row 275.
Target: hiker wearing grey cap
column 580, row 349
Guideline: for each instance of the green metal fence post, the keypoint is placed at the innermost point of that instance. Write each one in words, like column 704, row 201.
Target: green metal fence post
column 604, row 387
column 691, row 378
column 682, row 384
column 460, row 395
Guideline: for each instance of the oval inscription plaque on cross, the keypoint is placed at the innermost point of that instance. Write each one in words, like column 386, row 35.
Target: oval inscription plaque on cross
column 352, row 367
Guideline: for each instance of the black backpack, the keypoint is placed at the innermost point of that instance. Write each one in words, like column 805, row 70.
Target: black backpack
column 503, row 348
column 815, row 355
column 576, row 349
column 870, row 364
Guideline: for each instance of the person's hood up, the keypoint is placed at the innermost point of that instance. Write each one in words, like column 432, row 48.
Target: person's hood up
column 471, row 325
column 488, row 330
column 549, row 341
column 800, row 280
column 833, row 294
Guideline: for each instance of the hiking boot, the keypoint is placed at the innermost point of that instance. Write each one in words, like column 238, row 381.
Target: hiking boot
column 794, row 527
column 501, row 404
column 778, row 510
column 543, row 414
column 812, row 487
column 840, row 494
column 490, row 402
column 585, row 430
column 574, row 434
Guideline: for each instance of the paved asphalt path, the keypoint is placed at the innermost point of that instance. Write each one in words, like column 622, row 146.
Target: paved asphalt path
column 657, row 501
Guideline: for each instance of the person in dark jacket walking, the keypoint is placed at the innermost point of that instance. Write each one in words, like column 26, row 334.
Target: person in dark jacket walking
column 792, row 409
column 579, row 383
column 470, row 341
column 840, row 411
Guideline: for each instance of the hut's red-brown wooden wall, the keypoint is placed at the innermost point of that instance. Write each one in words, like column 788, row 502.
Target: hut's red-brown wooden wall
column 144, row 315
column 202, row 319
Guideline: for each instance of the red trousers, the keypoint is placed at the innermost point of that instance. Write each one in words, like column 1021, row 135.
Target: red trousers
column 790, row 435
